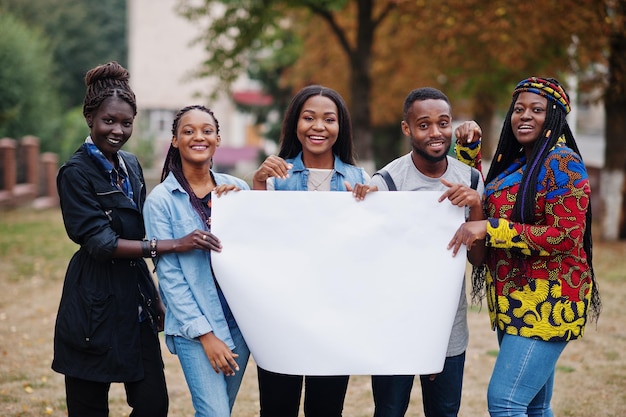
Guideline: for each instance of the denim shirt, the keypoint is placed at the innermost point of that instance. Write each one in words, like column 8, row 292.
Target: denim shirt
column 185, row 279
column 299, row 176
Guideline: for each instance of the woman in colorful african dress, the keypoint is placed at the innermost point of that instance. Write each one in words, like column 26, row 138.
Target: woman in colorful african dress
column 536, row 247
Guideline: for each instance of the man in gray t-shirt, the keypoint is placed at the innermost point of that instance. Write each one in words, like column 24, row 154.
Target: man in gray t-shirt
column 428, row 124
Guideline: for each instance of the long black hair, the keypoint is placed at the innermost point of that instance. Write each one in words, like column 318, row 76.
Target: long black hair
column 290, row 146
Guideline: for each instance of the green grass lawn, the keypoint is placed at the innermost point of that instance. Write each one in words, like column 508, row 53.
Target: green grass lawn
column 33, row 243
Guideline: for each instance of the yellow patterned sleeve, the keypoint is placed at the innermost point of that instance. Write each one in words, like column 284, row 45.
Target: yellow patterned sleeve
column 469, row 154
column 502, row 234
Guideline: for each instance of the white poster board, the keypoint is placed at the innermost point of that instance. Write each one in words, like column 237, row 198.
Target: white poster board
column 322, row 284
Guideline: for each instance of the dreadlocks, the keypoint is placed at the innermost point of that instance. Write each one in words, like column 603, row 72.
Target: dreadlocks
column 174, row 164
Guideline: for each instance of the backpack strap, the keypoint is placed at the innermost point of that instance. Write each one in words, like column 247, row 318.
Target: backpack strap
column 390, row 184
column 474, row 179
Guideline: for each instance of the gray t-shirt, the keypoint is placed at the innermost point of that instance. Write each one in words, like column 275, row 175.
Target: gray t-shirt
column 408, row 178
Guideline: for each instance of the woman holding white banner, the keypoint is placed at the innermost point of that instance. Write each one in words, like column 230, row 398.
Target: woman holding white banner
column 199, row 326
column 536, row 245
column 316, row 154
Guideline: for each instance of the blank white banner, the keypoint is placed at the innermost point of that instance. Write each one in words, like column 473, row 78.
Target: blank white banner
column 322, row 284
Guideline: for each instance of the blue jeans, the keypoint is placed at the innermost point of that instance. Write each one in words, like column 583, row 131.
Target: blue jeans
column 212, row 394
column 441, row 397
column 523, row 377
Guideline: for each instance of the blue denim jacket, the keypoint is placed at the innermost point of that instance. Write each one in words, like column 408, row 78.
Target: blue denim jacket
column 299, row 176
column 185, row 279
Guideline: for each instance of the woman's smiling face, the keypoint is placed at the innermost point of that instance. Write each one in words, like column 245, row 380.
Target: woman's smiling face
column 318, row 126
column 111, row 125
column 196, row 137
column 528, row 118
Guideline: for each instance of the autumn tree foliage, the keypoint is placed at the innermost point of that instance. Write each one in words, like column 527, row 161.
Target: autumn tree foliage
column 238, row 28
column 375, row 51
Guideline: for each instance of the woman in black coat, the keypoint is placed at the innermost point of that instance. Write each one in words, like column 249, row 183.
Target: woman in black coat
column 110, row 311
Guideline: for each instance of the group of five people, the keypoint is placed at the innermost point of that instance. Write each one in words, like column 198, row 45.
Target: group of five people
column 528, row 238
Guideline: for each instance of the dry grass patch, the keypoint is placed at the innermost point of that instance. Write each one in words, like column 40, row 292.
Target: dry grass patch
column 34, row 251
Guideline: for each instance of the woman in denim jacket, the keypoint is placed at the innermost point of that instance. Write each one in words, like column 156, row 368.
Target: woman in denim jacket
column 199, row 326
column 316, row 154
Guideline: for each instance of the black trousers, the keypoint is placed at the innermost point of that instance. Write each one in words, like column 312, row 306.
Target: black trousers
column 280, row 394
column 147, row 398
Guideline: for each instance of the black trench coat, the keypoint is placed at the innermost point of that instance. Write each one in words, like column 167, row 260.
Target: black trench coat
column 97, row 330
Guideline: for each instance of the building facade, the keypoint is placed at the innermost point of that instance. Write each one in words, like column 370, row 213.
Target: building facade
column 162, row 58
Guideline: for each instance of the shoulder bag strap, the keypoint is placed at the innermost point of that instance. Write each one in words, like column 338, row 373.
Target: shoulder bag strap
column 390, row 184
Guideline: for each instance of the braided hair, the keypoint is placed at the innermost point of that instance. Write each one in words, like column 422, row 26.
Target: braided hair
column 106, row 81
column 173, row 162
column 290, row 146
column 509, row 149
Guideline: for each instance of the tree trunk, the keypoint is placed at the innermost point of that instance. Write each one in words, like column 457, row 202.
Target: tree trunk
column 614, row 226
column 484, row 110
column 360, row 86
column 361, row 119
column 611, row 193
